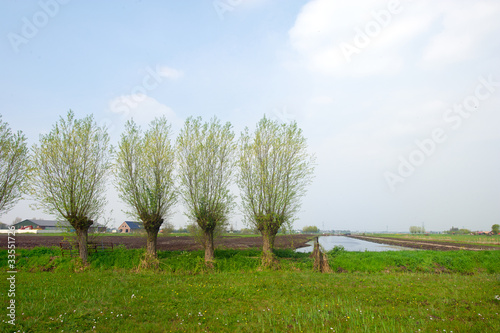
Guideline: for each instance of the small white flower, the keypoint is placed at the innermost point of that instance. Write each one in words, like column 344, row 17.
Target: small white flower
column 133, row 296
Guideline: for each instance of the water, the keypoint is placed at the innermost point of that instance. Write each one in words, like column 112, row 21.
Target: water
column 351, row 244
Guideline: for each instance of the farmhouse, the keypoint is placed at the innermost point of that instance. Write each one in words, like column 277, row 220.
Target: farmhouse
column 130, row 227
column 42, row 225
column 60, row 226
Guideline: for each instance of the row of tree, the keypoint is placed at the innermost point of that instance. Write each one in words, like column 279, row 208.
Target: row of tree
column 67, row 173
column 311, row 229
column 417, row 230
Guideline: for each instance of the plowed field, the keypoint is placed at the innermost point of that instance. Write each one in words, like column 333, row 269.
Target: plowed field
column 170, row 243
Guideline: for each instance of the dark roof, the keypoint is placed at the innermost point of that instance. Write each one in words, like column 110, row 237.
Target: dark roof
column 135, row 225
column 52, row 223
column 47, row 223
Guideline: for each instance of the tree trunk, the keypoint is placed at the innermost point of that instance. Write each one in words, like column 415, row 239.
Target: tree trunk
column 267, row 248
column 82, row 235
column 320, row 259
column 151, row 242
column 209, row 246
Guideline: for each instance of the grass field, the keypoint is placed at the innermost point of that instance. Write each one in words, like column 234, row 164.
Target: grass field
column 470, row 239
column 407, row 291
column 257, row 302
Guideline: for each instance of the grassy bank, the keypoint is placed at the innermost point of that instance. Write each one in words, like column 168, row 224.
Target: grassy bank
column 185, row 262
column 376, row 292
column 491, row 240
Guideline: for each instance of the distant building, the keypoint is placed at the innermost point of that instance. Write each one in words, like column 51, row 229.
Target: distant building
column 43, row 225
column 61, row 226
column 130, row 227
column 96, row 227
column 4, row 226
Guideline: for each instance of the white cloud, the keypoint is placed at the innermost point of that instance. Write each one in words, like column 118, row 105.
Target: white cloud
column 464, row 29
column 334, row 37
column 142, row 108
column 362, row 37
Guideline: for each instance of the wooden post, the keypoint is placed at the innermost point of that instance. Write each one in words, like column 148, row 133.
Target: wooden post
column 320, row 259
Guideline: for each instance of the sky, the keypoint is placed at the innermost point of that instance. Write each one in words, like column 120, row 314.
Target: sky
column 398, row 100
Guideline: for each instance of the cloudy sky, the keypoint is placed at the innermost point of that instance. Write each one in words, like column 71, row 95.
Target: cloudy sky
column 399, row 100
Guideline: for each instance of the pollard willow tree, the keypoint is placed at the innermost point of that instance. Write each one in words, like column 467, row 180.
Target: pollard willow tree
column 13, row 166
column 205, row 154
column 70, row 169
column 274, row 172
column 144, row 172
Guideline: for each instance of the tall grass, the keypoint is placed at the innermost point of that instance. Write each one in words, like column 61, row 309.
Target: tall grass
column 227, row 260
column 493, row 240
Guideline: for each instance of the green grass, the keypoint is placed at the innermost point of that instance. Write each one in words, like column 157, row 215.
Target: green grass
column 268, row 301
column 404, row 291
column 470, row 239
column 228, row 260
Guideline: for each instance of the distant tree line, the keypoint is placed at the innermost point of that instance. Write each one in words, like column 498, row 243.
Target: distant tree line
column 310, row 229
column 417, row 230
column 495, row 230
column 67, row 172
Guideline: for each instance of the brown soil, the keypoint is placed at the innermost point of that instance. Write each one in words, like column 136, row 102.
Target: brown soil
column 425, row 244
column 171, row 243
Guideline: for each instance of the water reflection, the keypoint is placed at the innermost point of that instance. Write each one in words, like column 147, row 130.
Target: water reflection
column 351, row 244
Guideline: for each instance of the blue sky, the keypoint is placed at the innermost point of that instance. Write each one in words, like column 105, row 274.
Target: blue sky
column 398, row 100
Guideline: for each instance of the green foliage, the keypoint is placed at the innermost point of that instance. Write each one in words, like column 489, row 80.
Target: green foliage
column 70, row 167
column 13, row 166
column 274, row 172
column 417, row 230
column 144, row 170
column 495, row 229
column 337, row 249
column 310, row 230
column 457, row 231
column 205, row 153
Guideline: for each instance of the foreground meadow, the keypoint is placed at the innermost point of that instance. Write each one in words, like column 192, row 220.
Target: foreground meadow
column 408, row 291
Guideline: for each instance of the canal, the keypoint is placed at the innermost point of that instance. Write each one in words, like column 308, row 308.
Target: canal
column 351, row 244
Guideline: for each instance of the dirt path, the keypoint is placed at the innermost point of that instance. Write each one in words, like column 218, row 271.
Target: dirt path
column 171, row 243
column 425, row 245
